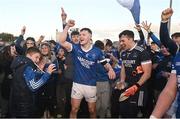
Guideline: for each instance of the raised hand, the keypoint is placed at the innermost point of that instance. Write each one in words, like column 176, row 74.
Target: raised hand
column 137, row 27
column 146, row 26
column 23, row 30
column 166, row 14
column 71, row 23
column 41, row 38
column 63, row 15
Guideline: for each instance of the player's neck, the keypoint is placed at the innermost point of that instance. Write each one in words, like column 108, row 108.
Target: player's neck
column 132, row 46
column 86, row 47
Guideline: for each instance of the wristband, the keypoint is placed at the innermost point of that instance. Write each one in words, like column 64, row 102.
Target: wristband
column 150, row 32
column 137, row 85
column 64, row 23
column 165, row 21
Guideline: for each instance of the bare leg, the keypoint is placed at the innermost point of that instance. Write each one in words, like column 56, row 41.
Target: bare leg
column 92, row 109
column 75, row 103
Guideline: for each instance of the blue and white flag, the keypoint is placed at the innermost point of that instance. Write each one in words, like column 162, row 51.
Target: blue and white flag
column 133, row 6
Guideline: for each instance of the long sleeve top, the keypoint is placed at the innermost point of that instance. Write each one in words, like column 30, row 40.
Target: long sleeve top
column 166, row 40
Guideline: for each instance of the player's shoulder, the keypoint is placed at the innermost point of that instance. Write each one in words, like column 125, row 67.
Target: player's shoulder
column 139, row 48
column 97, row 50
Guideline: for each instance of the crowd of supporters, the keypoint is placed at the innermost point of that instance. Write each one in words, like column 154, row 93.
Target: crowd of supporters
column 76, row 77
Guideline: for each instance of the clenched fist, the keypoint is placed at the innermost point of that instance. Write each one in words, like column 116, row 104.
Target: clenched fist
column 166, row 14
column 71, row 23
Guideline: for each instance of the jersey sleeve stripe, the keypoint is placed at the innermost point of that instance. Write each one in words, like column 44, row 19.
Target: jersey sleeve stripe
column 146, row 62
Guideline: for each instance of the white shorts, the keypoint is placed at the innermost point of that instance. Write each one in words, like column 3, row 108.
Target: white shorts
column 79, row 91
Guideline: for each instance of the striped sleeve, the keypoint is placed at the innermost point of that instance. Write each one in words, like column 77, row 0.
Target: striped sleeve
column 33, row 81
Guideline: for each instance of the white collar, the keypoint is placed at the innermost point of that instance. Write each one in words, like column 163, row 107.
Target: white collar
column 133, row 47
column 86, row 50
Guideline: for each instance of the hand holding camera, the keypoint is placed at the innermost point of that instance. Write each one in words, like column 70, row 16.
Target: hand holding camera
column 51, row 68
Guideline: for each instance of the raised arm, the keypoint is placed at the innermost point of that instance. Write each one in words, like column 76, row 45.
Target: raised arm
column 141, row 35
column 62, row 36
column 19, row 42
column 147, row 27
column 63, row 17
column 164, row 32
column 20, row 38
column 41, row 38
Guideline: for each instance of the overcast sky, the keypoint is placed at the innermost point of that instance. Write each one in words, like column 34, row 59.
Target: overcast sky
column 106, row 18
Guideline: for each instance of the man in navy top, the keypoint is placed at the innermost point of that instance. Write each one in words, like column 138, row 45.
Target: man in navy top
column 135, row 71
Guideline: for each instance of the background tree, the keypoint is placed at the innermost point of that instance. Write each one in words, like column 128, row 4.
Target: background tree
column 7, row 37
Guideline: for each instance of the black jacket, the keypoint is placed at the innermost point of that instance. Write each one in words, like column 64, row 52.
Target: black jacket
column 22, row 100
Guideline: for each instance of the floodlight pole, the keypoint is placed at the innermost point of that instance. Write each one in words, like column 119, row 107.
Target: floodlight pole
column 169, row 24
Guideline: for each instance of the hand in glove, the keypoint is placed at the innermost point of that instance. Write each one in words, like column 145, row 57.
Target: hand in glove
column 132, row 90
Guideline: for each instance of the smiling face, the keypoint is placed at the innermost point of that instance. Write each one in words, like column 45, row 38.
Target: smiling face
column 29, row 43
column 125, row 41
column 75, row 39
column 85, row 37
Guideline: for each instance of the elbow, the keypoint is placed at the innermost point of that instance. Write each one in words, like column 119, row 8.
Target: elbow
column 32, row 89
column 61, row 42
column 61, row 37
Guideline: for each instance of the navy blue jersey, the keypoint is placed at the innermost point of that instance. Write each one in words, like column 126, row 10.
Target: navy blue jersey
column 132, row 61
column 166, row 40
column 85, row 64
